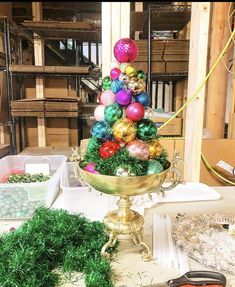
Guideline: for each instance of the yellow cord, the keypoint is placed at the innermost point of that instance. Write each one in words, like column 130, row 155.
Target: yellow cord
column 202, row 84
column 215, row 172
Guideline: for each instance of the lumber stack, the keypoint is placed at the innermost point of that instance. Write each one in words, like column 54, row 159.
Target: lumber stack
column 44, row 108
column 4, row 150
column 168, row 56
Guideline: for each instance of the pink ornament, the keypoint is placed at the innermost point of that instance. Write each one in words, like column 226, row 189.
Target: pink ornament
column 123, row 97
column 138, row 149
column 90, row 167
column 125, row 50
column 135, row 112
column 99, row 113
column 114, row 73
column 107, row 98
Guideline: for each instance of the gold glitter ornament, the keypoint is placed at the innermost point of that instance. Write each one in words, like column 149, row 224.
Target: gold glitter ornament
column 136, row 86
column 130, row 71
column 124, row 130
column 155, row 148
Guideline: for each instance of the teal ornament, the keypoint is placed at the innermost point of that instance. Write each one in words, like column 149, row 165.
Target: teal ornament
column 106, row 83
column 101, row 130
column 112, row 113
column 154, row 166
column 116, row 86
column 146, row 130
column 141, row 75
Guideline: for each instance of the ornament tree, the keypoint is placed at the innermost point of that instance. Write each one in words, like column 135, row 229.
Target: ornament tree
column 124, row 141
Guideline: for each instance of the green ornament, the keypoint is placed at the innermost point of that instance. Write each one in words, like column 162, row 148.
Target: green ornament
column 154, row 167
column 146, row 130
column 106, row 83
column 112, row 113
column 141, row 75
column 93, row 144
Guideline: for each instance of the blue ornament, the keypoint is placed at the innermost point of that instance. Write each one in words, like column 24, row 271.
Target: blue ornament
column 143, row 98
column 101, row 130
column 116, row 86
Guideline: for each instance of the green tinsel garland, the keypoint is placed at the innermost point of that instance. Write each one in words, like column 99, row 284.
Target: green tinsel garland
column 54, row 239
column 121, row 158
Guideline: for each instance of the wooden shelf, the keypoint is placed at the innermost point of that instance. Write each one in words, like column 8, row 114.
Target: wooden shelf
column 83, row 31
column 169, row 18
column 45, row 108
column 31, row 69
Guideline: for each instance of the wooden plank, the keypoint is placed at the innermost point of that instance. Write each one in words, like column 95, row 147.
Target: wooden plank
column 106, row 37
column 164, row 67
column 49, row 69
column 39, row 60
column 231, row 124
column 57, row 25
column 217, row 83
column 160, row 95
column 197, row 72
column 118, row 13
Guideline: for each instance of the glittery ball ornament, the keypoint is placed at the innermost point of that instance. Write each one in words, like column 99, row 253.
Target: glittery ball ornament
column 138, row 149
column 112, row 113
column 108, row 149
column 101, row 130
column 116, row 86
column 124, row 130
column 143, row 98
column 124, row 78
column 123, row 97
column 136, row 86
column 130, row 71
column 123, row 67
column 107, row 97
column 99, row 112
column 146, row 129
column 123, row 171
column 154, row 167
column 141, row 75
column 155, row 148
column 125, row 50
column 90, row 167
column 135, row 112
column 106, row 83
column 114, row 73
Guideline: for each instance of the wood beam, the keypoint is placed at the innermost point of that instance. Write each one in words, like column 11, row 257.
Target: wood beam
column 200, row 19
column 115, row 25
column 39, row 61
column 217, row 83
column 231, row 125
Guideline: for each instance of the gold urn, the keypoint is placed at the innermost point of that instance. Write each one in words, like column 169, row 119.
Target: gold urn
column 124, row 220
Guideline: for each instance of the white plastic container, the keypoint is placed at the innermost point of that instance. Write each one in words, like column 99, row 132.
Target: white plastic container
column 78, row 197
column 19, row 200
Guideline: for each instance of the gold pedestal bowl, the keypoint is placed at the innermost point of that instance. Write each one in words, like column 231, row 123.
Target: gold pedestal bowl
column 124, row 220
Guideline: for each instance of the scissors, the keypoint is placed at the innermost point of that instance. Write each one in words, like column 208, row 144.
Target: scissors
column 208, row 278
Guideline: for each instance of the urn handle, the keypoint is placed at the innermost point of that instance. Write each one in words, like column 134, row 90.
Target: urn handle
column 174, row 175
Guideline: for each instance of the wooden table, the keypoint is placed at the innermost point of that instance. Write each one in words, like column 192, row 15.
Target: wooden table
column 130, row 271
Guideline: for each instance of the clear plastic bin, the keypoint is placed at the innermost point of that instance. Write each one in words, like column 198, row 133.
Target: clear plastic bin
column 19, row 200
column 78, row 197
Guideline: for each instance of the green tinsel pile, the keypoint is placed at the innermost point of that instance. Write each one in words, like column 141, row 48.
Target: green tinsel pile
column 121, row 158
column 54, row 240
column 27, row 178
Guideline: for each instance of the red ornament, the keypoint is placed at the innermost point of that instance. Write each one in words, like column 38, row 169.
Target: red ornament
column 99, row 99
column 108, row 148
column 135, row 112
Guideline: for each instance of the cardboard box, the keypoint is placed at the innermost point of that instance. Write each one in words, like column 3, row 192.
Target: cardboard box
column 174, row 128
